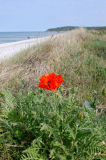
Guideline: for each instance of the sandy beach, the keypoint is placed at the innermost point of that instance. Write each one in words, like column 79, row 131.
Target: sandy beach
column 8, row 50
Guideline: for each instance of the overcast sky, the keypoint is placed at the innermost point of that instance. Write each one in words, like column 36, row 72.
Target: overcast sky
column 39, row 15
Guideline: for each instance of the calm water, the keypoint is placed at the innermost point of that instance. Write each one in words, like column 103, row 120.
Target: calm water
column 7, row 37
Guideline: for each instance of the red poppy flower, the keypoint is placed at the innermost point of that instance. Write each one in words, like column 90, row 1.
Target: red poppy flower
column 50, row 81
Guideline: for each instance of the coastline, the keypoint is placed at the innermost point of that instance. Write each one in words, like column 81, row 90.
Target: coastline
column 8, row 50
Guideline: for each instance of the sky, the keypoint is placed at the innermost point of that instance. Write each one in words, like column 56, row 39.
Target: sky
column 39, row 15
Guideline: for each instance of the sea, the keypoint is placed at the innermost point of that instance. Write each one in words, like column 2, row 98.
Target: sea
column 8, row 37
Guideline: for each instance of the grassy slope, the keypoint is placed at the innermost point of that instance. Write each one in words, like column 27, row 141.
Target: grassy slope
column 79, row 56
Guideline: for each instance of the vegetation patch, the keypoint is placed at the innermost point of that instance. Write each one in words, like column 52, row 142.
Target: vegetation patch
column 69, row 124
column 98, row 47
column 45, row 125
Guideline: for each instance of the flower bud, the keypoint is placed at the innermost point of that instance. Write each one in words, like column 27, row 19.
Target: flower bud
column 80, row 115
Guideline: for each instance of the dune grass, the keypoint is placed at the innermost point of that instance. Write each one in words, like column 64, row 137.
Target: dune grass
column 79, row 55
column 40, row 124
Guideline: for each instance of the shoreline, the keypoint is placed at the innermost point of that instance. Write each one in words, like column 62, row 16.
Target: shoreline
column 8, row 50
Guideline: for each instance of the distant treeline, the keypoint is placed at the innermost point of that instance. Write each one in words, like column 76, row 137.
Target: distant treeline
column 68, row 28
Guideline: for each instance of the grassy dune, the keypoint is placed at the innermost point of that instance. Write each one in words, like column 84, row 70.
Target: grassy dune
column 42, row 124
column 79, row 56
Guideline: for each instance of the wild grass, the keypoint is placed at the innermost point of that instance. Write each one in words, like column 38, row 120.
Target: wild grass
column 78, row 55
column 67, row 125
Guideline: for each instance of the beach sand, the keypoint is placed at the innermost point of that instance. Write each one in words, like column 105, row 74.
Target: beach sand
column 8, row 50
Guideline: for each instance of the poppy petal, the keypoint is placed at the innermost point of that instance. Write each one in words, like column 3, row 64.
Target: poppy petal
column 50, row 81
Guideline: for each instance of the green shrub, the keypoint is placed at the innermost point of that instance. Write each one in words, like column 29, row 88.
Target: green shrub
column 46, row 125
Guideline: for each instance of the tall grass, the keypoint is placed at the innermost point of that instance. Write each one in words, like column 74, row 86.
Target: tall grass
column 74, row 55
column 69, row 124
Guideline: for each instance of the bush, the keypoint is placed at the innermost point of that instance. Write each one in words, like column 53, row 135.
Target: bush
column 46, row 125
